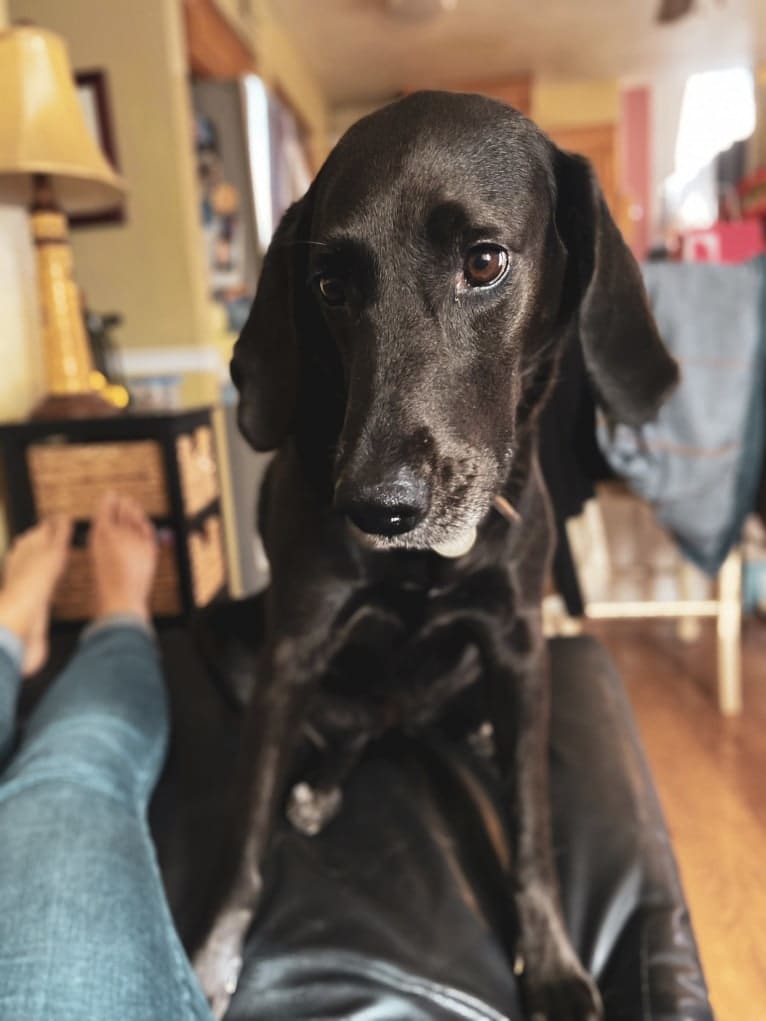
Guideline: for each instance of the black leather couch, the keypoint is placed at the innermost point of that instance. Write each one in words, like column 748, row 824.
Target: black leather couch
column 397, row 910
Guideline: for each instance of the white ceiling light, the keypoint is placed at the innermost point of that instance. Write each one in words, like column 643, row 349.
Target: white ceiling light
column 419, row 10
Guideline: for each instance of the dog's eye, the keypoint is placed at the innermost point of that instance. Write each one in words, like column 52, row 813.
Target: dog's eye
column 485, row 265
column 332, row 290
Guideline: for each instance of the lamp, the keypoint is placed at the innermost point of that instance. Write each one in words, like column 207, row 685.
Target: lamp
column 49, row 159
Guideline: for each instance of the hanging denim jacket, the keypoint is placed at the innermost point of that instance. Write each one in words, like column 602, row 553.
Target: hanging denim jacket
column 700, row 461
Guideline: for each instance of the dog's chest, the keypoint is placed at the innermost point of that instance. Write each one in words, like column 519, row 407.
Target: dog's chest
column 408, row 653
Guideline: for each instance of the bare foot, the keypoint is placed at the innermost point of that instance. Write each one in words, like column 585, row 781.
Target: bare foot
column 33, row 566
column 123, row 551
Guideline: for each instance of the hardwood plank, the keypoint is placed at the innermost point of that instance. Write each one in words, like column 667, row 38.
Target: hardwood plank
column 711, row 776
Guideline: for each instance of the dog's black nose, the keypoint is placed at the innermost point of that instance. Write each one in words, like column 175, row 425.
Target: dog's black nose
column 384, row 519
column 389, row 508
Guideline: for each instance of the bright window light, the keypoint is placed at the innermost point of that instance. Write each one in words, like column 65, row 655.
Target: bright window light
column 258, row 138
column 718, row 109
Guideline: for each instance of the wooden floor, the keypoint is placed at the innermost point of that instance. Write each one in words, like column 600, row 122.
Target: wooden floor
column 711, row 775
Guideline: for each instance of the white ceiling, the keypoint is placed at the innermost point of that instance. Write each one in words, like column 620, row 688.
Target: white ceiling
column 359, row 52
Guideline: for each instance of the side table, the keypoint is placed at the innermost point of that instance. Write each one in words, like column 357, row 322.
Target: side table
column 166, row 461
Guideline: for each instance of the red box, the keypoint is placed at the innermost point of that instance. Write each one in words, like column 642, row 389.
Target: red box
column 725, row 241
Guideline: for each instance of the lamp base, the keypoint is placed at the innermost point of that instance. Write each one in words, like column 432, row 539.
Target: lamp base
column 82, row 405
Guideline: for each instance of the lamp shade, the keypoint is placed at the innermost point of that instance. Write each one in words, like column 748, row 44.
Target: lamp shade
column 43, row 129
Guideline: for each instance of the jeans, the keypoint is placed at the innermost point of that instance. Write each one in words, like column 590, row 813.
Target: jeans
column 85, row 929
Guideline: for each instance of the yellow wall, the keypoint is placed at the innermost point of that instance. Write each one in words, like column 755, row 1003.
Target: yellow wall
column 151, row 269
column 570, row 104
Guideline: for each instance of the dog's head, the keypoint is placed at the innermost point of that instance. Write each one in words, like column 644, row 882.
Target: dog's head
column 416, row 297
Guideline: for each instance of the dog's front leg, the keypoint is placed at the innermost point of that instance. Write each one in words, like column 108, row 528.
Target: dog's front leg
column 267, row 743
column 286, row 679
column 556, row 986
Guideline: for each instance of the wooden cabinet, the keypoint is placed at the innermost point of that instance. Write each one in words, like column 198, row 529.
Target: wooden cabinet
column 516, row 90
column 599, row 144
column 216, row 43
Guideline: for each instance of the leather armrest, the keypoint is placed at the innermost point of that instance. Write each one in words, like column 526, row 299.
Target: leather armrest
column 621, row 890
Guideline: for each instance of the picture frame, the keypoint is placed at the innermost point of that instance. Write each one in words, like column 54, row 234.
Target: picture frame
column 93, row 93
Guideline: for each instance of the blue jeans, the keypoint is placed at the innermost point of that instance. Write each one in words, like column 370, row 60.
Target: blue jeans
column 85, row 929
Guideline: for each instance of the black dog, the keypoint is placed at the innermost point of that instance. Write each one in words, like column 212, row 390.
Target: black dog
column 404, row 335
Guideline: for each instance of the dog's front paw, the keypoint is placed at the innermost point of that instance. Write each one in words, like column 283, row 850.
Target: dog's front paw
column 555, row 985
column 218, row 974
column 566, row 995
column 218, row 962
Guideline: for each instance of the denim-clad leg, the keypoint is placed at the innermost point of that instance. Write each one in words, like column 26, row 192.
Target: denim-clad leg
column 85, row 930
column 11, row 657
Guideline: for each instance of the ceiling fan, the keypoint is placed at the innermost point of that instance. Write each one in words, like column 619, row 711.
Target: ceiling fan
column 672, row 10
column 419, row 10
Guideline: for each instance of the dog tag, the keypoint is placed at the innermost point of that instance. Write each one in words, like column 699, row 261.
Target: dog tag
column 457, row 547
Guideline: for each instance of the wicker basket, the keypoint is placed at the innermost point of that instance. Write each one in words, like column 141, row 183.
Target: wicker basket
column 197, row 466
column 208, row 563
column 71, row 478
column 75, row 597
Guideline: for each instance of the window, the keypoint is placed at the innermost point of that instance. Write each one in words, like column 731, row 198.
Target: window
column 718, row 109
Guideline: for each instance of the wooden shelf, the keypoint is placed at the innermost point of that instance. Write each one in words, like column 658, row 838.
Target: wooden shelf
column 216, row 49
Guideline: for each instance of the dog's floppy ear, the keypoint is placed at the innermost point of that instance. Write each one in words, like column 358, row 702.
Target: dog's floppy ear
column 625, row 356
column 265, row 367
